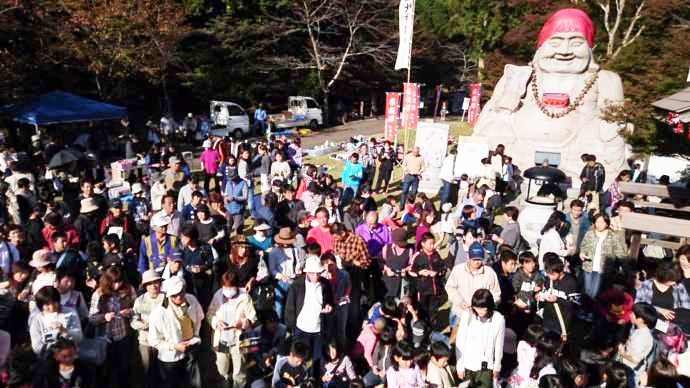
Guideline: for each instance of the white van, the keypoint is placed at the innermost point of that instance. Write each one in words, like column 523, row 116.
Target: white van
column 303, row 112
column 229, row 118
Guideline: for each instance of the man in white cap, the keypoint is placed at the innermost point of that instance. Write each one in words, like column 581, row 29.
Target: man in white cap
column 309, row 296
column 174, row 332
column 173, row 175
column 157, row 246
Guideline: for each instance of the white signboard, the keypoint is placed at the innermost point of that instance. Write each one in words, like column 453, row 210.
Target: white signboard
column 471, row 151
column 466, row 103
column 432, row 140
column 666, row 165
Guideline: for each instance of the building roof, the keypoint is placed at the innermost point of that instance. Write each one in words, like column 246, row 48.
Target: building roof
column 678, row 102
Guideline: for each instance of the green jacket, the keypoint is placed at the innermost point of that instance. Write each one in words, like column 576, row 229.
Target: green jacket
column 613, row 247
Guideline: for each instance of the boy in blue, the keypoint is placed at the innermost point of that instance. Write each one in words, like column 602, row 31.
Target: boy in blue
column 190, row 209
column 351, row 178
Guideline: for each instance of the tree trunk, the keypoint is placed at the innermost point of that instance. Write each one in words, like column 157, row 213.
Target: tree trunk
column 166, row 97
column 481, row 66
column 324, row 108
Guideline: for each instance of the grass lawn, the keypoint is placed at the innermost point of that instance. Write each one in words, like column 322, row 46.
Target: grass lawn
column 335, row 167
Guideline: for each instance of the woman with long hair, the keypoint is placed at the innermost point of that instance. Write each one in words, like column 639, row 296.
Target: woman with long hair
column 551, row 240
column 110, row 312
column 243, row 262
column 599, row 247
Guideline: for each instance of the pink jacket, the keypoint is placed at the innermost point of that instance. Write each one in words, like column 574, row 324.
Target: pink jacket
column 366, row 342
column 210, row 159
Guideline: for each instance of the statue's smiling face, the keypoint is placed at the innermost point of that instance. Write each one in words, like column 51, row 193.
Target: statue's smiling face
column 565, row 52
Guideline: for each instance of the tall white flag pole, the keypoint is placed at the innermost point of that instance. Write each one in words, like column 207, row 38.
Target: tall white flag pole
column 404, row 60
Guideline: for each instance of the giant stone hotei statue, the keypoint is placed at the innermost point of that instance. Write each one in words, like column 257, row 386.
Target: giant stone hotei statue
column 556, row 103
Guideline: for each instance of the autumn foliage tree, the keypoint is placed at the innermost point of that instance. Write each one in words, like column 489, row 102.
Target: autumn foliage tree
column 119, row 39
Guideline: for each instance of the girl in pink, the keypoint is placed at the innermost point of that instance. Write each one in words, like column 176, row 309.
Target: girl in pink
column 210, row 159
column 404, row 373
column 526, row 353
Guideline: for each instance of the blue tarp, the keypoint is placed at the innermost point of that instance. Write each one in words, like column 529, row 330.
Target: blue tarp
column 61, row 107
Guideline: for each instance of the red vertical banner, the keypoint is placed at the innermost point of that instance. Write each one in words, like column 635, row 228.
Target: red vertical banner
column 392, row 115
column 475, row 95
column 410, row 105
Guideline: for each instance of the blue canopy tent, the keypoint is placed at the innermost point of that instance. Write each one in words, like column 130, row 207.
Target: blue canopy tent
column 61, row 107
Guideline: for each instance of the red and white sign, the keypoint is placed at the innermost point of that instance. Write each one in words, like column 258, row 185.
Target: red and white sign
column 410, row 105
column 674, row 121
column 475, row 95
column 392, row 115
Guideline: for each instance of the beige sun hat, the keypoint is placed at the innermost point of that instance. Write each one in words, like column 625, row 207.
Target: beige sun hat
column 149, row 276
column 88, row 205
column 41, row 258
column 313, row 264
column 137, row 188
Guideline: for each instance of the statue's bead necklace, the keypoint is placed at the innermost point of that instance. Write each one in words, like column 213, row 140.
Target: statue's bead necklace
column 572, row 106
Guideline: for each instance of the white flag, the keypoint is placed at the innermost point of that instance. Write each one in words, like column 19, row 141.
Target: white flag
column 406, row 16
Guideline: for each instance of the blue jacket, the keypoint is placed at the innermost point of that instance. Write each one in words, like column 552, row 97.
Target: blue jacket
column 238, row 192
column 352, row 170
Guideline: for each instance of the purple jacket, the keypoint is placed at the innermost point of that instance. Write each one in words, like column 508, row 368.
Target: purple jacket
column 376, row 238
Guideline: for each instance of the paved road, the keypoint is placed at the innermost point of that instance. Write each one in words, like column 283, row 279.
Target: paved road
column 368, row 128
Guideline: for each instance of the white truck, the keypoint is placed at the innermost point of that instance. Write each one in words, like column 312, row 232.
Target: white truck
column 228, row 118
column 302, row 112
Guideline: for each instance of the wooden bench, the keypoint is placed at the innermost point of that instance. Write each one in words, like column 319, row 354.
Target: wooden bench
column 678, row 228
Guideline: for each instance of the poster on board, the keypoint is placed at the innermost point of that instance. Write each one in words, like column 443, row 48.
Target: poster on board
column 471, row 151
column 432, row 140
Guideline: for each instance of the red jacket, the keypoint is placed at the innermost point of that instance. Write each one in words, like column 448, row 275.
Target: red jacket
column 72, row 236
column 105, row 224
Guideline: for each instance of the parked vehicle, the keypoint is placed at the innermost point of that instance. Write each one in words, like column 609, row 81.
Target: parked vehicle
column 302, row 112
column 228, row 118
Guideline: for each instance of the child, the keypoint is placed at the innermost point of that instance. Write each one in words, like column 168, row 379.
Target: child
column 209, row 231
column 560, row 296
column 526, row 353
column 69, row 297
column 290, row 371
column 428, row 269
column 383, row 356
column 526, row 283
column 436, row 371
column 403, row 373
column 464, row 191
column 41, row 260
column 190, row 209
column 339, row 369
column 408, row 215
column 63, row 369
column 636, row 352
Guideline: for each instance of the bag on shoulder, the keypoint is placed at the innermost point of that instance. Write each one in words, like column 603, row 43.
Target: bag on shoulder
column 263, row 296
column 93, row 350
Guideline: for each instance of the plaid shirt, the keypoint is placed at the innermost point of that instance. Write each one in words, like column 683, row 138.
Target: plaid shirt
column 116, row 329
column 352, row 248
column 681, row 298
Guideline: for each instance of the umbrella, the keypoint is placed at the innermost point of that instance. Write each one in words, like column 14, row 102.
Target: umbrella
column 62, row 158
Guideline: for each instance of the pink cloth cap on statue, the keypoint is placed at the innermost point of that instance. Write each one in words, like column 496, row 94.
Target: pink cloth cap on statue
column 567, row 20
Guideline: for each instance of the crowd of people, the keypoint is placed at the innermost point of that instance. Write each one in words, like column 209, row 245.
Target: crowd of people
column 274, row 273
